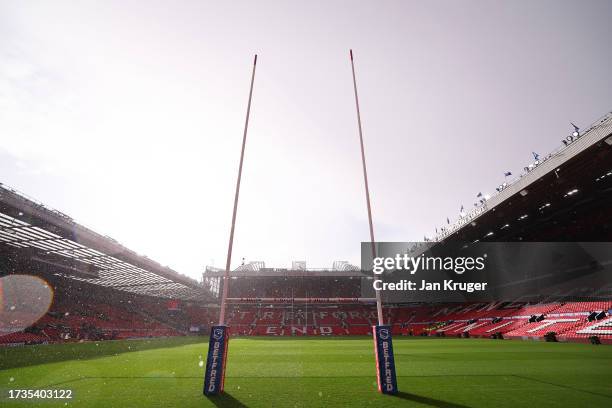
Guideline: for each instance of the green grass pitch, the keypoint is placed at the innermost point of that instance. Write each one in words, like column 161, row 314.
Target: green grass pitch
column 313, row 372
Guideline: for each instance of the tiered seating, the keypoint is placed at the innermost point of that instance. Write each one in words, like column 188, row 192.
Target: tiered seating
column 466, row 327
column 359, row 316
column 491, row 328
column 449, row 328
column 318, row 320
column 475, row 320
column 81, row 314
column 269, row 316
column 23, row 338
column 484, row 314
column 539, row 329
column 539, row 309
column 78, row 314
column 411, row 314
column 329, row 317
column 583, row 307
column 459, row 312
column 200, row 316
column 600, row 328
column 241, row 317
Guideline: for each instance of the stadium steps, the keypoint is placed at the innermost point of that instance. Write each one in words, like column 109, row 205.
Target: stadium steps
column 157, row 320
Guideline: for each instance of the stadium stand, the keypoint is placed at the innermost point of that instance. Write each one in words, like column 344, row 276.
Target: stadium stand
column 106, row 291
column 83, row 314
column 83, row 311
column 418, row 320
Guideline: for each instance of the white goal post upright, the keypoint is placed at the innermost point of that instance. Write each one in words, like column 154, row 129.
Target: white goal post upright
column 383, row 347
column 214, row 376
column 237, row 193
column 367, row 189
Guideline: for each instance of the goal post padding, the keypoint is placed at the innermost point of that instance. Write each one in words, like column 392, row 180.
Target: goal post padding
column 385, row 361
column 214, row 376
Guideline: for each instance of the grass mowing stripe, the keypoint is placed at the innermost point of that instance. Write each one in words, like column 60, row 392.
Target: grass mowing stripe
column 313, row 372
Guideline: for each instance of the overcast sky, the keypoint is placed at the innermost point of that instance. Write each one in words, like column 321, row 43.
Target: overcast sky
column 128, row 115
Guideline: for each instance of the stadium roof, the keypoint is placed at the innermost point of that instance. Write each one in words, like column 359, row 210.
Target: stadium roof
column 37, row 239
column 258, row 269
column 571, row 182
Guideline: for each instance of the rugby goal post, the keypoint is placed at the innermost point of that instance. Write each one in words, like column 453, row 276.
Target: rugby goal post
column 383, row 345
column 214, row 376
